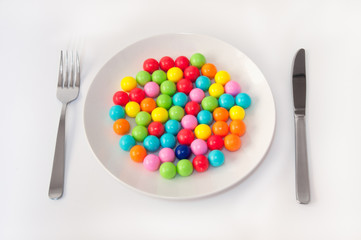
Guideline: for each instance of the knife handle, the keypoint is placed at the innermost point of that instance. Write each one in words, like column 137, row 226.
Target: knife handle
column 302, row 180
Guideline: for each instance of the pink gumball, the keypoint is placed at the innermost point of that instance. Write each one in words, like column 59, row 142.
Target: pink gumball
column 166, row 155
column 196, row 95
column 151, row 89
column 199, row 147
column 151, row 162
column 189, row 122
column 232, row 87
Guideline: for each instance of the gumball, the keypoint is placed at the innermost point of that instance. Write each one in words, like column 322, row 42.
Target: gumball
column 168, row 170
column 174, row 74
column 199, row 147
column 151, row 162
column 159, row 76
column 192, row 108
column 166, row 155
column 151, row 89
column 226, row 101
column 189, row 122
column 216, row 90
column 138, row 153
column 237, row 127
column 120, row 98
column 156, row 129
column 172, row 127
column 203, row 131
column 181, row 62
column 116, row 112
column 191, row 73
column 215, row 142
column 243, row 100
column 203, row 83
column 237, row 112
column 176, row 113
column 160, row 114
column 185, row 137
column 128, row 83
column 150, row 65
column 168, row 140
column 139, row 133
column 164, row 101
column 220, row 114
column 220, row 128
column 136, row 95
column 180, row 99
column 196, row 95
column 184, row 168
column 127, row 142
column 148, row 105
column 168, row 87
column 232, row 142
column 200, row 163
column 222, row 77
column 132, row 109
column 197, row 60
column 151, row 143
column 205, row 117
column 216, row 158
column 143, row 77
column 232, row 87
column 209, row 70
column 143, row 119
column 184, row 86
column 121, row 126
column 209, row 103
column 183, row 152
column 166, row 63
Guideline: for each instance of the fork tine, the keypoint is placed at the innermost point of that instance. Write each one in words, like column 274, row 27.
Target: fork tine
column 71, row 75
column 77, row 71
column 60, row 77
column 66, row 69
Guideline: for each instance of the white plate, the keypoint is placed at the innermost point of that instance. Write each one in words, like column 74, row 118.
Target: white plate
column 260, row 117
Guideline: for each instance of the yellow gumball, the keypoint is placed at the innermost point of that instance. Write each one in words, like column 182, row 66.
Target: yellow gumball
column 203, row 131
column 128, row 83
column 237, row 112
column 160, row 114
column 222, row 77
column 174, row 74
column 216, row 90
column 132, row 109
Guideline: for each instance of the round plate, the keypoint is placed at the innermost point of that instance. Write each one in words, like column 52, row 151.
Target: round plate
column 260, row 117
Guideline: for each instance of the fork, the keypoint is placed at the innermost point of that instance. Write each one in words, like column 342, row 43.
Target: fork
column 67, row 91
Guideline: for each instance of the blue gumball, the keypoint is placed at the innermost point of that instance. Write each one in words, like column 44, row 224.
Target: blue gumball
column 151, row 143
column 168, row 140
column 172, row 126
column 116, row 112
column 183, row 152
column 226, row 101
column 127, row 142
column 205, row 117
column 216, row 158
column 203, row 83
column 180, row 99
column 243, row 100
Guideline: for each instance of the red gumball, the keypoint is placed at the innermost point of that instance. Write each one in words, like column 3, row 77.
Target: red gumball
column 185, row 137
column 215, row 142
column 120, row 98
column 166, row 63
column 200, row 163
column 184, row 86
column 182, row 62
column 150, row 65
column 156, row 129
column 192, row 108
column 136, row 95
column 191, row 73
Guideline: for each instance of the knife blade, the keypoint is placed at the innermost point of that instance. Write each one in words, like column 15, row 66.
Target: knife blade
column 299, row 101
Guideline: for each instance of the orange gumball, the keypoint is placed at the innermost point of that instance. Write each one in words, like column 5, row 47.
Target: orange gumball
column 220, row 128
column 138, row 153
column 232, row 142
column 220, row 114
column 148, row 105
column 237, row 127
column 209, row 70
column 121, row 126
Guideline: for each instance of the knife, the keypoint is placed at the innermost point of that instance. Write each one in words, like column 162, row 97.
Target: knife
column 299, row 101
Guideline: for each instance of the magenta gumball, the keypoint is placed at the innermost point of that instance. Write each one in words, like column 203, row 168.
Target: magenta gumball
column 189, row 122
column 232, row 87
column 151, row 162
column 166, row 155
column 196, row 95
column 151, row 89
column 199, row 147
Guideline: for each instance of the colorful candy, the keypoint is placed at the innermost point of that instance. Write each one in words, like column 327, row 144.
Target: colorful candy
column 143, row 119
column 136, row 95
column 200, row 163
column 164, row 101
column 138, row 153
column 232, row 142
column 184, row 86
column 180, row 99
column 185, row 136
column 192, row 108
column 209, row 103
column 127, row 142
column 172, row 126
column 237, row 127
column 168, row 87
column 143, row 77
column 202, row 131
column 121, row 126
column 191, row 73
column 168, row 170
column 151, row 89
column 166, row 63
column 150, row 65
column 128, row 83
column 222, row 77
column 197, row 60
column 215, row 142
column 220, row 128
column 120, row 98
column 196, row 95
column 156, row 129
column 183, row 152
column 209, row 70
column 160, row 114
column 148, row 105
column 205, row 117
column 216, row 158
column 174, row 74
column 116, row 112
column 237, row 112
column 159, row 76
column 132, row 109
column 176, row 113
column 168, row 140
column 166, row 155
column 184, row 167
column 189, row 122
column 139, row 133
column 151, row 162
column 151, row 143
column 243, row 100
column 181, row 62
column 199, row 147
column 226, row 101
column 216, row 90
column 232, row 87
column 220, row 114
column 203, row 83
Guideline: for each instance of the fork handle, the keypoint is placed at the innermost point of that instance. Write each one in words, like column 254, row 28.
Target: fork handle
column 57, row 176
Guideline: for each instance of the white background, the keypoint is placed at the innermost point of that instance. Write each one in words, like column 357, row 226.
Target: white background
column 96, row 206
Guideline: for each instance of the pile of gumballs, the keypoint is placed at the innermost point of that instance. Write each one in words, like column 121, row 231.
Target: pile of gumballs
column 179, row 112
